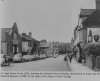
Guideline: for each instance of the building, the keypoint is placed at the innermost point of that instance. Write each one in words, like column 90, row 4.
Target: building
column 29, row 44
column 44, row 47
column 88, row 29
column 13, row 43
column 54, row 47
column 10, row 40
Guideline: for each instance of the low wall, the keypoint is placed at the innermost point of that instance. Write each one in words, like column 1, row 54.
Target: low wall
column 89, row 62
column 98, row 62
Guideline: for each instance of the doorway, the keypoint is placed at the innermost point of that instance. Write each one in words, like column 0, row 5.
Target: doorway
column 15, row 49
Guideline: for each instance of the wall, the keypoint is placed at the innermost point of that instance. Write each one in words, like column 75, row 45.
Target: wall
column 77, row 39
column 4, row 47
column 25, row 46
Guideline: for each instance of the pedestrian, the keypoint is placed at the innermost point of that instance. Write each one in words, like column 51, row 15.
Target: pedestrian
column 70, row 57
column 75, row 50
column 66, row 57
column 80, row 52
column 93, row 61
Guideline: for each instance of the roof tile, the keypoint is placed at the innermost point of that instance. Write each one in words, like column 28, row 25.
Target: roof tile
column 86, row 12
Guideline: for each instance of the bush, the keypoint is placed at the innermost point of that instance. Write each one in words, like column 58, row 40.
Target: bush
column 93, row 49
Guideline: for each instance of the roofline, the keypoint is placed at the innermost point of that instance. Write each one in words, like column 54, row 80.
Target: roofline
column 80, row 15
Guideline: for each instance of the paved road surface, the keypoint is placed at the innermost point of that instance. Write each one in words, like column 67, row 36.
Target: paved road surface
column 48, row 64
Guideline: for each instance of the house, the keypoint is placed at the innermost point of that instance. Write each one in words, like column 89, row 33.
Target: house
column 29, row 44
column 49, row 48
column 44, row 47
column 10, row 40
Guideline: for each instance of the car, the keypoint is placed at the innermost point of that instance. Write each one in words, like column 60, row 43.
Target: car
column 36, row 57
column 4, row 60
column 27, row 57
column 32, row 57
column 24, row 58
column 17, row 58
column 55, row 55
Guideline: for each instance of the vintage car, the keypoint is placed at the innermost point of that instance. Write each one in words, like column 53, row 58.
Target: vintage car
column 4, row 60
column 17, row 58
column 55, row 55
column 32, row 57
column 27, row 58
column 43, row 56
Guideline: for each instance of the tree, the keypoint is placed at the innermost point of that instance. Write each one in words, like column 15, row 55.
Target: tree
column 65, row 48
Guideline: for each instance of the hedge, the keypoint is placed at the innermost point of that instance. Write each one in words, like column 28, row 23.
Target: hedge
column 93, row 49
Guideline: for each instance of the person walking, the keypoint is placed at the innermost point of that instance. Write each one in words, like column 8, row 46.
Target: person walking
column 70, row 57
column 66, row 57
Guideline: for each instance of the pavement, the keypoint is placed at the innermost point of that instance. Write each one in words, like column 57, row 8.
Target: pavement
column 79, row 67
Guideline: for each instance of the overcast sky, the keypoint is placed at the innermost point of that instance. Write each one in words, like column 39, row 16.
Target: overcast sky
column 46, row 19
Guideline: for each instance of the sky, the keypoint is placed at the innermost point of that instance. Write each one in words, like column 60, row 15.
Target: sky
column 53, row 20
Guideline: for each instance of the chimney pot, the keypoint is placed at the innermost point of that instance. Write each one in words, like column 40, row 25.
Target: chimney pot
column 30, row 34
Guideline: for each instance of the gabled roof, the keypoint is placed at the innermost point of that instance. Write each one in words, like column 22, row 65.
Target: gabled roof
column 86, row 12
column 93, row 19
column 26, row 37
column 3, row 33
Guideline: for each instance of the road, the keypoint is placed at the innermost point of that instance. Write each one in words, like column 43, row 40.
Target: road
column 48, row 64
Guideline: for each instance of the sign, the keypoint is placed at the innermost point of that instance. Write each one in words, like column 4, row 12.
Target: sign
column 90, row 36
column 94, row 35
column 96, row 38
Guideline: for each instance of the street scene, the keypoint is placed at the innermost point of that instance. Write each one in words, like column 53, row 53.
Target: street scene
column 50, row 35
column 50, row 64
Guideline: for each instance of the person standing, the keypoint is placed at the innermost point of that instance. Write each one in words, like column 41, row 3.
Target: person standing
column 70, row 57
column 66, row 57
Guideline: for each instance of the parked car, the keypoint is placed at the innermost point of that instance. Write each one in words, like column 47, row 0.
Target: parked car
column 41, row 56
column 27, row 58
column 17, row 58
column 4, row 60
column 37, row 57
column 55, row 55
column 24, row 58
column 32, row 57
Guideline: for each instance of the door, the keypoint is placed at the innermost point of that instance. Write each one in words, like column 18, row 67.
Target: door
column 15, row 48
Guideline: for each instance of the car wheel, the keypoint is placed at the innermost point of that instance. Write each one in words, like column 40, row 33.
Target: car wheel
column 8, row 63
column 1, row 65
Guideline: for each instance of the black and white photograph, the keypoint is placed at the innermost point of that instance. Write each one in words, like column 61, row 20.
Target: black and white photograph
column 50, row 35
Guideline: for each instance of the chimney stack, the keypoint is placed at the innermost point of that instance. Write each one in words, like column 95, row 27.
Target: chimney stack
column 98, row 4
column 30, row 34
